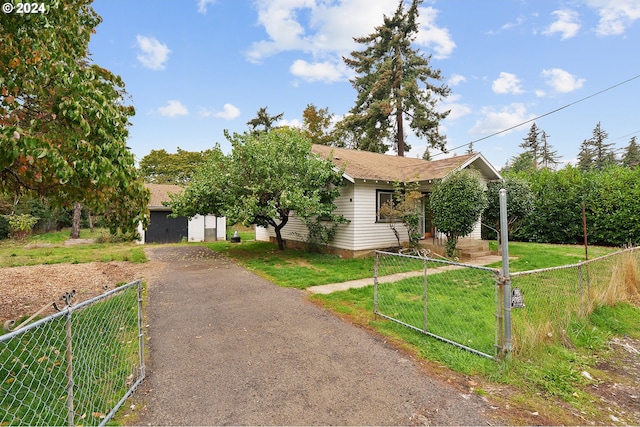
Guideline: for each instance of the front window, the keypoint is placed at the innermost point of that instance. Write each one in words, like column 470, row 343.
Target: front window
column 384, row 198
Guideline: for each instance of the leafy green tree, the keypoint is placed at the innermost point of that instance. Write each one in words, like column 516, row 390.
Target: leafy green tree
column 457, row 203
column 520, row 200
column 263, row 122
column 631, row 156
column 267, row 177
column 557, row 209
column 316, row 124
column 522, row 162
column 393, row 84
column 63, row 120
column 160, row 167
column 613, row 206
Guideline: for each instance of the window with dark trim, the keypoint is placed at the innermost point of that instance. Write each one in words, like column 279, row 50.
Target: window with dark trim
column 383, row 197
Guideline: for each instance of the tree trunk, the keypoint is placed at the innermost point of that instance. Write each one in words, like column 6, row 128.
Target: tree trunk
column 90, row 221
column 278, row 228
column 75, row 225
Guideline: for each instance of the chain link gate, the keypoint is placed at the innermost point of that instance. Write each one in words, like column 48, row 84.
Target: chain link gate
column 77, row 366
column 454, row 302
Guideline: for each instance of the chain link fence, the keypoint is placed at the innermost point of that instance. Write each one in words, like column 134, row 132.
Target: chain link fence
column 77, row 366
column 454, row 302
column 551, row 298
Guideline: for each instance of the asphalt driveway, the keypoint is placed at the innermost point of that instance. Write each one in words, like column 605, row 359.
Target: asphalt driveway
column 227, row 347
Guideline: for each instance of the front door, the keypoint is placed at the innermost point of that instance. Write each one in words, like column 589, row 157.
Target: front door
column 426, row 217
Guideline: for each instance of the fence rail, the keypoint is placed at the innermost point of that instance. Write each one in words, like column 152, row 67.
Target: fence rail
column 77, row 366
column 465, row 305
column 554, row 297
column 451, row 301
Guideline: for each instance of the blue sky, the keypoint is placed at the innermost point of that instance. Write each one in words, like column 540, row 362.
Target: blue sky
column 194, row 68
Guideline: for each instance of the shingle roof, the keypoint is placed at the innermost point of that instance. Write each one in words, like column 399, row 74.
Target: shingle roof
column 366, row 165
column 160, row 193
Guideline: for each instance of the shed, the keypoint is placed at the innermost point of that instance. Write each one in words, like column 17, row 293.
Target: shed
column 164, row 229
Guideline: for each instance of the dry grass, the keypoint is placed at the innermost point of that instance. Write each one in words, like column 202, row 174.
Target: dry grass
column 624, row 285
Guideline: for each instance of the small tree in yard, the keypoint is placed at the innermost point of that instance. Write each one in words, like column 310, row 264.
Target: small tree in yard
column 404, row 208
column 267, row 177
column 457, row 202
column 520, row 199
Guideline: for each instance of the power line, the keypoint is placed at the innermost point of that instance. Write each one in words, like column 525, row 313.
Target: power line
column 542, row 115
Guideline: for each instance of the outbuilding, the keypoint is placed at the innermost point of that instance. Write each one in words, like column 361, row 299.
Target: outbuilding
column 165, row 229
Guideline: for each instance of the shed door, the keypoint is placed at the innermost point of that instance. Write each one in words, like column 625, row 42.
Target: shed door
column 162, row 229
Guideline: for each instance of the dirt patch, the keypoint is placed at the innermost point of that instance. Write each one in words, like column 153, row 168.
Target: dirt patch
column 619, row 389
column 302, row 263
column 24, row 290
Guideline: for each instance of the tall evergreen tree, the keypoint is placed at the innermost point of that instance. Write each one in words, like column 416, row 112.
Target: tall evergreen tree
column 631, row 156
column 393, row 84
column 585, row 156
column 531, row 144
column 264, row 120
column 548, row 156
column 602, row 152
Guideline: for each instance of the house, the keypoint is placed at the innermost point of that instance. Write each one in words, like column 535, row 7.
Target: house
column 164, row 229
column 369, row 179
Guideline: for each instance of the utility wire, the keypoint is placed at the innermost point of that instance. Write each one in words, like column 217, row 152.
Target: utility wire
column 541, row 116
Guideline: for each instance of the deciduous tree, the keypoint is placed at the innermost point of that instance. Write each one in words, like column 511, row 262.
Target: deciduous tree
column 456, row 203
column 160, row 167
column 267, row 177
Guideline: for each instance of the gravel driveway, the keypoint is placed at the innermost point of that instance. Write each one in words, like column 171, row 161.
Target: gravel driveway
column 228, row 347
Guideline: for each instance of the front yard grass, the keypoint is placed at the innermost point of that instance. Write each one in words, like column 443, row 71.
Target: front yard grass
column 50, row 249
column 547, row 386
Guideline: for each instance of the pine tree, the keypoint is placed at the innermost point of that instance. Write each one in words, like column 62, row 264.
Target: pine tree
column 602, row 153
column 631, row 156
column 531, row 144
column 585, row 156
column 470, row 148
column 548, row 157
column 263, row 119
column 393, row 84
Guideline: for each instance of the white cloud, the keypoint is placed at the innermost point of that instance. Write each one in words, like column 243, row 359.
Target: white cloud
column 456, row 79
column 507, row 83
column 566, row 24
column 562, row 81
column 497, row 120
column 456, row 108
column 317, row 71
column 615, row 15
column 153, row 54
column 326, row 29
column 203, row 4
column 230, row 112
column 432, row 36
column 173, row 109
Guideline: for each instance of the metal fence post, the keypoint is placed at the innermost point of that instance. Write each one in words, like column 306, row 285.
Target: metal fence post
column 375, row 283
column 424, row 297
column 69, row 371
column 504, row 234
column 141, row 369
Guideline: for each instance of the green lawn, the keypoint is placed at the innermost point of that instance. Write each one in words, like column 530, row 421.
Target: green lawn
column 50, row 249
